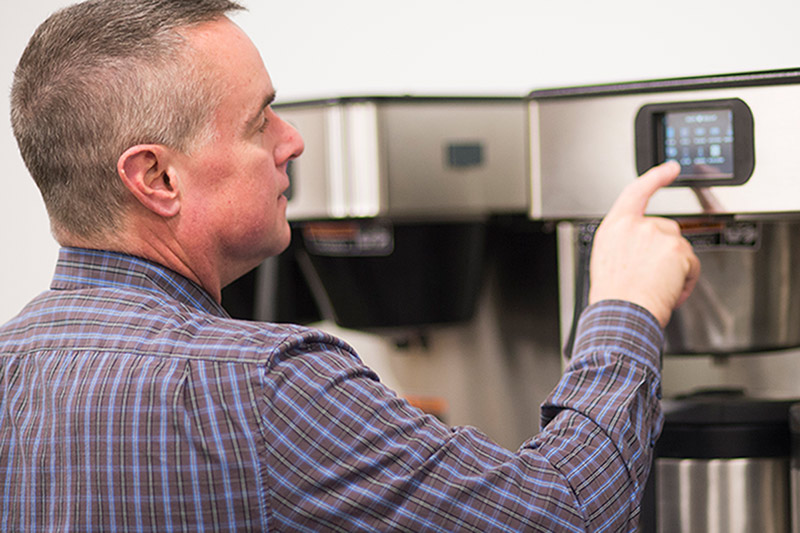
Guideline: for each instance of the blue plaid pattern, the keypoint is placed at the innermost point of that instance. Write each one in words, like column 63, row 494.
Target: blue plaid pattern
column 130, row 401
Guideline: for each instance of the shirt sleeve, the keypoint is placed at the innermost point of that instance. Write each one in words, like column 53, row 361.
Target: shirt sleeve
column 601, row 422
column 344, row 453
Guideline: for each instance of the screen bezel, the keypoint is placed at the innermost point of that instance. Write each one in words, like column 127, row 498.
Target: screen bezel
column 650, row 137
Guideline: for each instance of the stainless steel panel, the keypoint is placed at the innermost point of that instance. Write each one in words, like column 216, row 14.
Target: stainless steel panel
column 416, row 137
column 586, row 153
column 722, row 495
column 375, row 157
column 747, row 298
column 311, row 193
column 795, row 496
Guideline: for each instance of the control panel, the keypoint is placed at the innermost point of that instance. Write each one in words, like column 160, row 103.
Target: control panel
column 711, row 139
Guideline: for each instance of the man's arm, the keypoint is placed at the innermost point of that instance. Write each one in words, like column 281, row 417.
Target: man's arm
column 599, row 425
column 604, row 417
column 344, row 453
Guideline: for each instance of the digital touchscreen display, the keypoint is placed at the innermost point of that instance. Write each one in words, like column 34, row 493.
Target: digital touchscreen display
column 711, row 139
column 701, row 141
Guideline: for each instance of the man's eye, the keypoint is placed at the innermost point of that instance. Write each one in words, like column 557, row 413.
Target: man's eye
column 263, row 125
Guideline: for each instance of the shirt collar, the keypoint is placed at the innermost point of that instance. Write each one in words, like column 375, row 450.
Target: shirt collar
column 80, row 268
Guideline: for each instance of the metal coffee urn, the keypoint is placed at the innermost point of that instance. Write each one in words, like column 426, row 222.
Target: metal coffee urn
column 722, row 463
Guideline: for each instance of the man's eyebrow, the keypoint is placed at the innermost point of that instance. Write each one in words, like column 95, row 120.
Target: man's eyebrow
column 268, row 99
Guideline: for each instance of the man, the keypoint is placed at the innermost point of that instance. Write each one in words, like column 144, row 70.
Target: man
column 129, row 400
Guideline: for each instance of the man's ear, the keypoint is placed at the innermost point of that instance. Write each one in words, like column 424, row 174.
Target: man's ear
column 146, row 172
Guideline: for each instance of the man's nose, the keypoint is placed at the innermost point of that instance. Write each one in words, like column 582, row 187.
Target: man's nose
column 292, row 144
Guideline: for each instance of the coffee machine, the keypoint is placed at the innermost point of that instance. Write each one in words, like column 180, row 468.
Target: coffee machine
column 722, row 462
column 393, row 199
column 399, row 205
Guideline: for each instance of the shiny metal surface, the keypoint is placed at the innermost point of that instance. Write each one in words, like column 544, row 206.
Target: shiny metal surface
column 795, row 505
column 747, row 299
column 584, row 151
column 384, row 156
column 722, row 495
column 795, row 492
column 314, row 195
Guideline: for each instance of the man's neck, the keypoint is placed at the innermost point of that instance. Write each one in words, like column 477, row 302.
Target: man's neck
column 153, row 248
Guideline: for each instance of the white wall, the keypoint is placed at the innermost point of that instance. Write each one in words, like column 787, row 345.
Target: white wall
column 27, row 251
column 512, row 46
column 314, row 48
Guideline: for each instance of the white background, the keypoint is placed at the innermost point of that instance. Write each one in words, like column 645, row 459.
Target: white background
column 314, row 48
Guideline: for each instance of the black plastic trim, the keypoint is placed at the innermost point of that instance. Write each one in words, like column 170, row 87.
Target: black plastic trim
column 725, row 426
column 719, row 81
column 401, row 99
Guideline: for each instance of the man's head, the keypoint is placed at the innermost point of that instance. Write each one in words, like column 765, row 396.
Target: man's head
column 96, row 78
column 148, row 128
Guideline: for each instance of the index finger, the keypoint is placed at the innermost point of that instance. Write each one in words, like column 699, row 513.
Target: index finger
column 633, row 198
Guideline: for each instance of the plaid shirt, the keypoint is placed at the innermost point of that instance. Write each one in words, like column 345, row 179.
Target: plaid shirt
column 130, row 401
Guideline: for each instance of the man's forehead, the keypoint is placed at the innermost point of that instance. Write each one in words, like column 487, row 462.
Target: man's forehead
column 232, row 62
column 219, row 41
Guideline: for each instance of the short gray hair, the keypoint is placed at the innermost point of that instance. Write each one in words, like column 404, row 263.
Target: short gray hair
column 95, row 79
